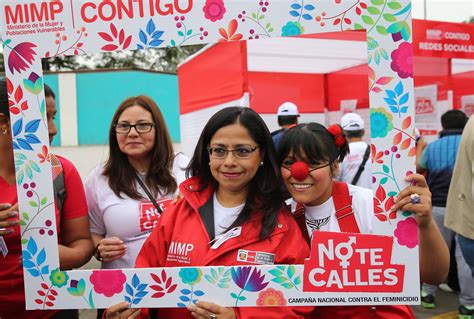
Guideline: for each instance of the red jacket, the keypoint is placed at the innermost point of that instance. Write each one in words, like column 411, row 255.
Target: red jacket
column 191, row 221
column 347, row 223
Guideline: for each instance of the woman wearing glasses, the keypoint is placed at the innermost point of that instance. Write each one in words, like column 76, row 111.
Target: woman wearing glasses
column 309, row 155
column 142, row 172
column 233, row 204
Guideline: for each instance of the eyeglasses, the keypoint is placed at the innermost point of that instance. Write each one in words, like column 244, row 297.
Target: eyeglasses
column 242, row 152
column 124, row 128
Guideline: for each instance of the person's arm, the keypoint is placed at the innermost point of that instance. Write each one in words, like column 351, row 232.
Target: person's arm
column 421, row 156
column 76, row 248
column 434, row 253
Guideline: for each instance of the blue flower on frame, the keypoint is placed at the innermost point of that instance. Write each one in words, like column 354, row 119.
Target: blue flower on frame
column 292, row 28
column 190, row 276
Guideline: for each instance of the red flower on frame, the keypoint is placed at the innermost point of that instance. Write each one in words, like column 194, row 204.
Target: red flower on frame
column 229, row 34
column 214, row 10
column 44, row 155
column 21, row 57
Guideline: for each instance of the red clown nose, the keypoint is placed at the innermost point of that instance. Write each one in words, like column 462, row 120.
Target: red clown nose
column 299, row 170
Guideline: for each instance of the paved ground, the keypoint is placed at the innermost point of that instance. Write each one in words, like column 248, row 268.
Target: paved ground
column 446, row 308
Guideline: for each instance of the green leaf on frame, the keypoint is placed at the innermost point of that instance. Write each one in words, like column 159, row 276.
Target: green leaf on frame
column 22, row 223
column 385, row 169
column 44, row 200
column 384, row 180
column 276, row 272
column 233, row 295
column 267, row 25
column 42, row 108
column 210, row 279
column 254, row 15
column 214, row 273
column 394, row 5
column 173, row 42
column 377, row 2
column 389, row 17
column 35, row 167
column 25, row 216
column 381, row 30
column 24, row 241
column 373, row 10
column 358, row 26
column 190, row 31
column 377, row 57
column 288, row 285
column 291, row 271
column 406, row 32
column 29, row 171
column 371, row 43
column 33, row 203
column 297, row 281
column 279, row 280
column 270, row 30
column 406, row 214
column 20, row 177
column 383, row 53
column 392, row 194
column 242, row 298
column 368, row 20
column 261, row 17
column 180, row 33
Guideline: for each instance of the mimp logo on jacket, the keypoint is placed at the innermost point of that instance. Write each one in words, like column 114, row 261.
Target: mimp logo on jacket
column 179, row 252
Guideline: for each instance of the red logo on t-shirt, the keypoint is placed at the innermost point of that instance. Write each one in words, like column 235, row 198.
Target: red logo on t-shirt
column 345, row 262
column 149, row 215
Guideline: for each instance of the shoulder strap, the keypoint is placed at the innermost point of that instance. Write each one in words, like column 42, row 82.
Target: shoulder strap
column 301, row 221
column 152, row 199
column 59, row 186
column 362, row 165
column 343, row 205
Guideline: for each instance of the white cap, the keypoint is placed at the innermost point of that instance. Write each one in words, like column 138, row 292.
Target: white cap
column 352, row 122
column 288, row 109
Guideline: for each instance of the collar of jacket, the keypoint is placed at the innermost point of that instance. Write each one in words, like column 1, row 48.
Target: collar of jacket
column 200, row 198
column 454, row 131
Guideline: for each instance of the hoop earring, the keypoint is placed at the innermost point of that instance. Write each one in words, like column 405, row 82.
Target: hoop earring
column 5, row 131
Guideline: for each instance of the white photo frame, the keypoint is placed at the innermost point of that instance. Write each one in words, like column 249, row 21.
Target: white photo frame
column 32, row 30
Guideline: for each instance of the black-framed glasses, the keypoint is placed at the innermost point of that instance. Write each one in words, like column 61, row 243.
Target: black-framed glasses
column 241, row 152
column 124, row 128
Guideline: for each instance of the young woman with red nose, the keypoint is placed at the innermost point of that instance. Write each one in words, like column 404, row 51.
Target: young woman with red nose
column 309, row 156
column 232, row 203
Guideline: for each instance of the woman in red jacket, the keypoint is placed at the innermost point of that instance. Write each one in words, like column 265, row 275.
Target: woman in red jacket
column 309, row 155
column 232, row 203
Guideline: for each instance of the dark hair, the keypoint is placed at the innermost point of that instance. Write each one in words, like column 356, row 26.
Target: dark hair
column 287, row 120
column 354, row 134
column 4, row 109
column 4, row 98
column 264, row 193
column 48, row 92
column 453, row 119
column 314, row 141
column 121, row 173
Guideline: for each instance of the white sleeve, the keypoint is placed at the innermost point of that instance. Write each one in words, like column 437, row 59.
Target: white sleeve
column 96, row 220
column 180, row 163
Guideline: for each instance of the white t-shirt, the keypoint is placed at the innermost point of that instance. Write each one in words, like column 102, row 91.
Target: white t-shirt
column 323, row 217
column 224, row 216
column 351, row 163
column 128, row 219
